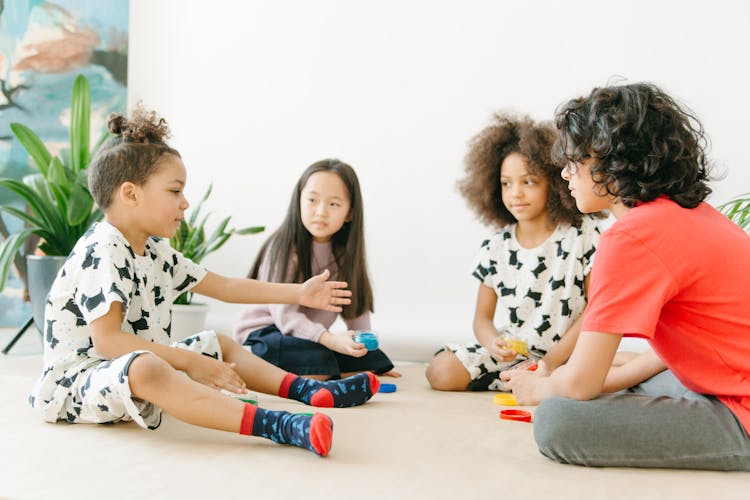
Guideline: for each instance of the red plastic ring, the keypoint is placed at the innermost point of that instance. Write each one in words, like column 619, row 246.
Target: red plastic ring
column 518, row 415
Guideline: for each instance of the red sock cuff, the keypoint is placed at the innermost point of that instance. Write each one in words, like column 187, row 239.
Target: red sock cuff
column 248, row 418
column 285, row 384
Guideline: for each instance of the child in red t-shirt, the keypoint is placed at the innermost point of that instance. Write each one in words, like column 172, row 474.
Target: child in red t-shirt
column 672, row 270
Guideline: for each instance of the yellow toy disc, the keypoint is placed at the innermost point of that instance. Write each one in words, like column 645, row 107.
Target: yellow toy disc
column 505, row 399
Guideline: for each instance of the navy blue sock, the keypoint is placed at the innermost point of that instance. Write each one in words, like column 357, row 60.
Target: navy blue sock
column 351, row 391
column 313, row 432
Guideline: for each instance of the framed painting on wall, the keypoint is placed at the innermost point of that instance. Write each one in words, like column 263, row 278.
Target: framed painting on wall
column 44, row 45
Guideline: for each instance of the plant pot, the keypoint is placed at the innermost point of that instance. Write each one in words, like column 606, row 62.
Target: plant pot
column 41, row 272
column 187, row 320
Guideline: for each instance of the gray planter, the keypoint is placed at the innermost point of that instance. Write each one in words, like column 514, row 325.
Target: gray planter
column 41, row 272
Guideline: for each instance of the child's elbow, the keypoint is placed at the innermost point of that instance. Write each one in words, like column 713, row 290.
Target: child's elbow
column 103, row 343
column 582, row 388
column 584, row 393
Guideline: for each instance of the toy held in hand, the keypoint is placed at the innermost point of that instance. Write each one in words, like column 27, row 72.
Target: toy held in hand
column 368, row 339
column 518, row 345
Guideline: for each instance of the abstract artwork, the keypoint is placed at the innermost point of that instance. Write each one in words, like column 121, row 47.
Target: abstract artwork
column 44, row 45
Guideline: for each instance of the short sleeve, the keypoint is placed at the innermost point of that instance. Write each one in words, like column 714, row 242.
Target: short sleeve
column 629, row 286
column 103, row 275
column 485, row 265
column 185, row 273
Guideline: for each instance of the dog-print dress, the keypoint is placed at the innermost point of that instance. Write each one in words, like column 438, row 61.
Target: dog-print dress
column 540, row 292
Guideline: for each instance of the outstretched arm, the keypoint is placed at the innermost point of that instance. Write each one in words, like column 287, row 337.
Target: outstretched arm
column 315, row 292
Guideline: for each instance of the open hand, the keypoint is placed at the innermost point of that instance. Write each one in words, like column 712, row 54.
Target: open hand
column 217, row 374
column 327, row 295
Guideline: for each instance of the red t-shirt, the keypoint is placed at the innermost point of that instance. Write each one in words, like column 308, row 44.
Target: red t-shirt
column 680, row 278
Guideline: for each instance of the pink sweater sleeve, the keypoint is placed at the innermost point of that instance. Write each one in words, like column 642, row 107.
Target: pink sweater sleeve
column 291, row 320
column 359, row 323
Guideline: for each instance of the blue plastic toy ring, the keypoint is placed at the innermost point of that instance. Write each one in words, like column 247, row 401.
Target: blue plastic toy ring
column 368, row 339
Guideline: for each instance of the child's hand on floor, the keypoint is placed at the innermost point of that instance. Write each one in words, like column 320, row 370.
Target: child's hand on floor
column 327, row 295
column 343, row 343
column 217, row 374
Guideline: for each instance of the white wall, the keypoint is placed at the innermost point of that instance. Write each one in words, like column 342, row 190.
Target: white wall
column 255, row 91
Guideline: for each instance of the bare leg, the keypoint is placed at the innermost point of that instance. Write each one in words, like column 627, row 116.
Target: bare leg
column 258, row 374
column 153, row 379
column 261, row 376
column 446, row 373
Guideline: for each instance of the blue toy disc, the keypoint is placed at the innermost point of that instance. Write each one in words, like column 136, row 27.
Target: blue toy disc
column 369, row 340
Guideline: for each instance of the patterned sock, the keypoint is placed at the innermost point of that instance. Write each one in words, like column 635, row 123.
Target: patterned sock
column 351, row 391
column 312, row 432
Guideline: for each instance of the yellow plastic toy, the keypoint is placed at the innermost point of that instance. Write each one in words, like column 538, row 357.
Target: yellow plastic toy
column 505, row 399
column 516, row 344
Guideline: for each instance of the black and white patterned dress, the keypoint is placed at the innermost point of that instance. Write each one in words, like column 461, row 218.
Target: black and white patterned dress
column 540, row 291
column 80, row 385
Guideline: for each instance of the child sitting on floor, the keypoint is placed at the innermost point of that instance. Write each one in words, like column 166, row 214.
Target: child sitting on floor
column 672, row 270
column 533, row 273
column 107, row 352
column 323, row 229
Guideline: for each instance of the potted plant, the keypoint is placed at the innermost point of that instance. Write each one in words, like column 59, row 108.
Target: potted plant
column 738, row 211
column 60, row 206
column 194, row 242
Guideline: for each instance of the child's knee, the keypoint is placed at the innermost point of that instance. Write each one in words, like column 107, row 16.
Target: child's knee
column 147, row 369
column 225, row 341
column 446, row 373
column 228, row 346
column 434, row 372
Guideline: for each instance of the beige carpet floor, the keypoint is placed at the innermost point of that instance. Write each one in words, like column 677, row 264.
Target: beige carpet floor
column 412, row 444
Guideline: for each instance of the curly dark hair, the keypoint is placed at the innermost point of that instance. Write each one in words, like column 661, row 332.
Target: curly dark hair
column 509, row 134
column 130, row 155
column 647, row 144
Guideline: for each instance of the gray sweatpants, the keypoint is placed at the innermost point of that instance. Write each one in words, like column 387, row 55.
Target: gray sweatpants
column 658, row 423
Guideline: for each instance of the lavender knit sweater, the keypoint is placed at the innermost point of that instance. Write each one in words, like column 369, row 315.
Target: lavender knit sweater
column 292, row 319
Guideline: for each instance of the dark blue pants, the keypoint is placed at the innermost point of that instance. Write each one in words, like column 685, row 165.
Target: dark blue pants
column 305, row 357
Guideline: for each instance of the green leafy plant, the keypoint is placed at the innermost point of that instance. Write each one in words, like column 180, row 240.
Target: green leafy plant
column 60, row 206
column 191, row 240
column 738, row 211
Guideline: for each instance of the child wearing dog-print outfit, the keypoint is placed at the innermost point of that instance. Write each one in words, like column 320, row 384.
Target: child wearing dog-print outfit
column 107, row 352
column 533, row 273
